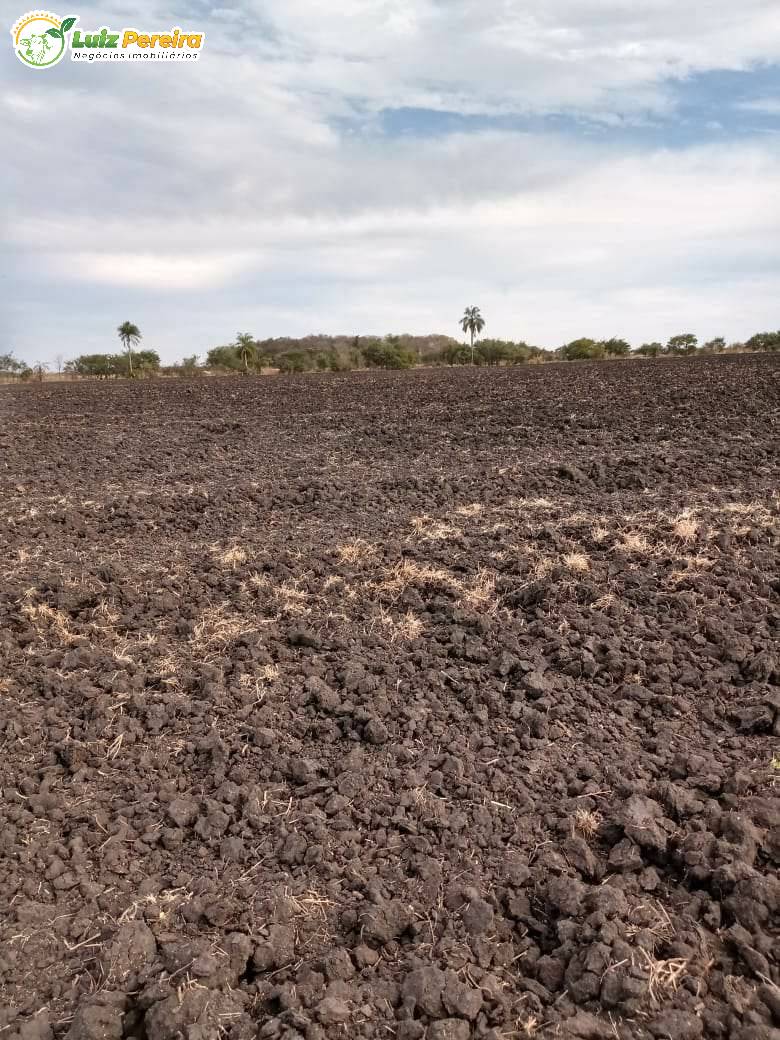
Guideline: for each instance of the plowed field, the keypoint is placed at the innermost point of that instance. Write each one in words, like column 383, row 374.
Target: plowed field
column 441, row 704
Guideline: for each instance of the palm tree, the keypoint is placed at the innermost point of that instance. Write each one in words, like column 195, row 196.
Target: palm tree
column 130, row 335
column 472, row 321
column 247, row 349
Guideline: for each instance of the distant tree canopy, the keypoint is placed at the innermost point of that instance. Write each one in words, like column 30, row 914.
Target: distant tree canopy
column 581, row 350
column 342, row 353
column 144, row 362
column 502, row 352
column 225, row 357
column 591, row 349
column 11, row 366
column 244, row 355
column 388, row 353
column 338, row 353
column 714, row 346
column 616, row 347
column 456, row 354
column 100, row 365
column 764, row 341
column 685, row 343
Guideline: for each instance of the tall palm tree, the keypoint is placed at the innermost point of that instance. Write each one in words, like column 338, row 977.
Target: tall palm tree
column 472, row 322
column 130, row 335
column 247, row 349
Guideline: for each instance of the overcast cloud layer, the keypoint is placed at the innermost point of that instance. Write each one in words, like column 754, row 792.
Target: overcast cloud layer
column 573, row 167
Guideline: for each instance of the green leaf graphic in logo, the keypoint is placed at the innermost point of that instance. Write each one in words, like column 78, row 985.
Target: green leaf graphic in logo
column 40, row 38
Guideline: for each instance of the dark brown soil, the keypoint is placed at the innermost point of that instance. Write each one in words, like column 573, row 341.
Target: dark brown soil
column 440, row 704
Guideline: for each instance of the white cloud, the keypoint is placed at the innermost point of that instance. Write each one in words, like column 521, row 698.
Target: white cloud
column 487, row 56
column 767, row 105
column 154, row 271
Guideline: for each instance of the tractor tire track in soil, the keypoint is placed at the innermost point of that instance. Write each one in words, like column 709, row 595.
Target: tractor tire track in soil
column 441, row 705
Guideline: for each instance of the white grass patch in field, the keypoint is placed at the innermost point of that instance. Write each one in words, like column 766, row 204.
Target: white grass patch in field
column 428, row 529
column 756, row 511
column 542, row 566
column 472, row 510
column 480, row 594
column 587, row 822
column 292, row 600
column 50, row 623
column 530, row 503
column 218, row 628
column 357, row 551
column 633, row 542
column 259, row 581
column 404, row 628
column 663, row 976
column 410, row 573
column 577, row 562
column 685, row 527
column 232, row 557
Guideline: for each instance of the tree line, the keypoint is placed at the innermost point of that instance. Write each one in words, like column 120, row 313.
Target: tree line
column 246, row 353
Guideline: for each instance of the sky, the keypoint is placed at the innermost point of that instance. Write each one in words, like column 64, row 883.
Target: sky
column 572, row 167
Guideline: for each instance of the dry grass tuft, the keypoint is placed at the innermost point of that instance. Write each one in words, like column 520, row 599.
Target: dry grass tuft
column 481, row 593
column 408, row 572
column 577, row 562
column 633, row 542
column 232, row 557
column 408, row 626
column 652, row 918
column 685, row 527
column 218, row 628
column 107, row 613
column 258, row 580
column 471, row 510
column 663, row 976
column 430, row 530
column 587, row 823
column 529, row 503
column 292, row 600
column 51, row 621
column 542, row 566
column 754, row 510
column 167, row 902
column 308, row 904
column 357, row 551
